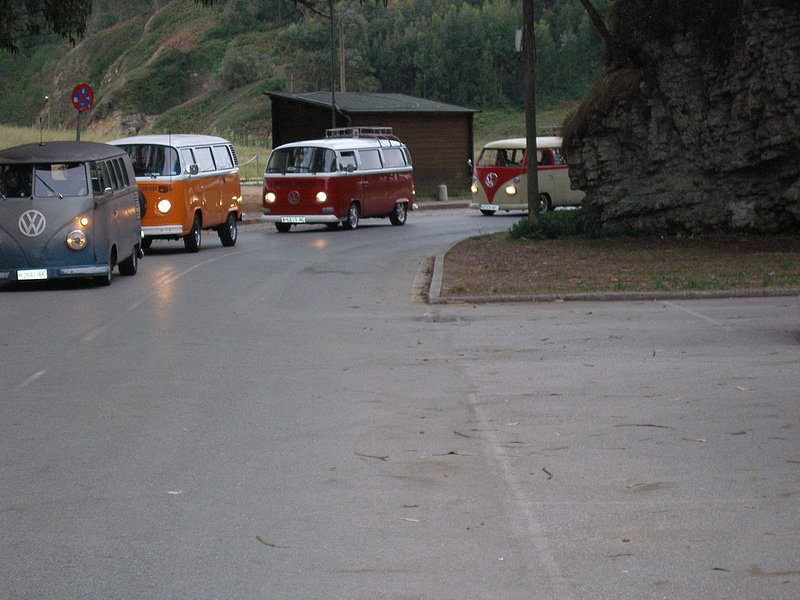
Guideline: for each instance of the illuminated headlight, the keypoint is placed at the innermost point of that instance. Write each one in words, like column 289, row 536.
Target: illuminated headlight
column 321, row 197
column 76, row 240
column 474, row 187
column 164, row 206
column 511, row 190
column 270, row 197
column 84, row 221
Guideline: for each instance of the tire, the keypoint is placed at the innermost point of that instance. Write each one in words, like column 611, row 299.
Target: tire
column 399, row 214
column 105, row 280
column 228, row 231
column 544, row 203
column 351, row 222
column 130, row 265
column 487, row 213
column 191, row 241
column 283, row 227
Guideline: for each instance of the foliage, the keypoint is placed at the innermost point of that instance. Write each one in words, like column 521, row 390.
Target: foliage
column 66, row 18
column 558, row 224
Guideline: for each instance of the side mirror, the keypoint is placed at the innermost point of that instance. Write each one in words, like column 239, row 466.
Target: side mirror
column 469, row 162
column 193, row 170
column 350, row 168
column 107, row 191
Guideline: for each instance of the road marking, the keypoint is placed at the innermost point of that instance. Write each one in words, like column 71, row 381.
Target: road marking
column 698, row 315
column 31, row 379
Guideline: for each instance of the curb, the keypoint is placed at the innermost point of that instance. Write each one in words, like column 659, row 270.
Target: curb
column 435, row 293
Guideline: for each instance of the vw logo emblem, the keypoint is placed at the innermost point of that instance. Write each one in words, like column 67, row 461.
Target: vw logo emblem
column 294, row 197
column 491, row 180
column 32, row 223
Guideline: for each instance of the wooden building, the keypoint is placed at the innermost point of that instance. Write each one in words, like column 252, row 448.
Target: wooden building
column 439, row 136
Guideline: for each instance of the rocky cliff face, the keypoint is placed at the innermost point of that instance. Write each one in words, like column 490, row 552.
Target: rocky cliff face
column 696, row 136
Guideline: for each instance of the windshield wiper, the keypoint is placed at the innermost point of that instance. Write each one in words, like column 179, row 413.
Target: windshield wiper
column 55, row 193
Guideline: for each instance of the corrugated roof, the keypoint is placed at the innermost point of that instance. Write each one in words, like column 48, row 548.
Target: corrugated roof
column 358, row 103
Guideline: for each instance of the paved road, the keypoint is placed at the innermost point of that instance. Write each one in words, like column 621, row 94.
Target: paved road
column 284, row 419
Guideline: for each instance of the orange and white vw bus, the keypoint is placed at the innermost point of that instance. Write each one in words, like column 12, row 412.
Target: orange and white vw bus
column 499, row 177
column 190, row 183
column 354, row 173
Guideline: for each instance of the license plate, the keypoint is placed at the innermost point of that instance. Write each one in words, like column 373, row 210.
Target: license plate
column 489, row 207
column 28, row 274
column 293, row 219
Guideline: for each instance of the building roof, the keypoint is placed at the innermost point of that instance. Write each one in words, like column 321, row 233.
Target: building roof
column 365, row 103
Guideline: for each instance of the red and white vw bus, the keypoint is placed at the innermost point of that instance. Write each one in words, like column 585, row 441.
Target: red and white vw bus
column 354, row 173
column 500, row 182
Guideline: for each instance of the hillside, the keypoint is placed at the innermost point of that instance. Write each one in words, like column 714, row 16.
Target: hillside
column 158, row 65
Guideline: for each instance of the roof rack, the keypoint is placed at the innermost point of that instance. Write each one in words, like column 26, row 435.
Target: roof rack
column 371, row 132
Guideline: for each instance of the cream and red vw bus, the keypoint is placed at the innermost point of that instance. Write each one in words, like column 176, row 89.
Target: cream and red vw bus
column 499, row 181
column 190, row 183
column 353, row 173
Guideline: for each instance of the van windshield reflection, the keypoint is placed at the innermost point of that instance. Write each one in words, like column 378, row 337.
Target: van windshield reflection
column 153, row 160
column 305, row 159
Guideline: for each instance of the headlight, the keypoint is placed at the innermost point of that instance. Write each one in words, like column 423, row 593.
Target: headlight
column 84, row 221
column 76, row 240
column 269, row 197
column 321, row 197
column 474, row 188
column 164, row 206
column 511, row 190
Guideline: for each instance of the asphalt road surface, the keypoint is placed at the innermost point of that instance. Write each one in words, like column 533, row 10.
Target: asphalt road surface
column 285, row 419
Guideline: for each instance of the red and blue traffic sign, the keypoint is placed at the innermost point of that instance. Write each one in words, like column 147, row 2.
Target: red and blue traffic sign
column 82, row 97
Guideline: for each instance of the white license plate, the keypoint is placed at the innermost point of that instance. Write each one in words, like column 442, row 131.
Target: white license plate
column 28, row 274
column 293, row 219
column 489, row 207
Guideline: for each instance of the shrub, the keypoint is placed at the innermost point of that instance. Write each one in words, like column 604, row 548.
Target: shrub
column 579, row 223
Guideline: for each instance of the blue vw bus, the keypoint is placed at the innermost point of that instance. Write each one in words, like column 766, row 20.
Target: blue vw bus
column 68, row 209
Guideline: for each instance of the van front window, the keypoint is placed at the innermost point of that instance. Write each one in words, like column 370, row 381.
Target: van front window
column 501, row 157
column 59, row 180
column 15, row 181
column 152, row 160
column 304, row 159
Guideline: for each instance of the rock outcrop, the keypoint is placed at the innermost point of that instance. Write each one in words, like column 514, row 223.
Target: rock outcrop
column 698, row 129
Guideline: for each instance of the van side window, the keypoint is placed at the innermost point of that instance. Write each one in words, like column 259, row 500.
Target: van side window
column 100, row 178
column 205, row 161
column 370, row 159
column 393, row 157
column 347, row 160
column 187, row 158
column 121, row 172
column 222, row 157
column 558, row 157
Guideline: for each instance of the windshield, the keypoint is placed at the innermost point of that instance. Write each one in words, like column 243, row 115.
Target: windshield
column 152, row 160
column 15, row 181
column 501, row 157
column 59, row 180
column 305, row 159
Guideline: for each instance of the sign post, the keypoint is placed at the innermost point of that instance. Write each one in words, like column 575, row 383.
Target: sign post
column 82, row 99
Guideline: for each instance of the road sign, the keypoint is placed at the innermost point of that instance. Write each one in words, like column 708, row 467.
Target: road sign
column 82, row 97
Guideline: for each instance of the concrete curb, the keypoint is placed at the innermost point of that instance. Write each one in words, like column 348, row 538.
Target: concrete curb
column 435, row 293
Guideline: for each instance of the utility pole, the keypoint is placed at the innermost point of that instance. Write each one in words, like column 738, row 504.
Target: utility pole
column 529, row 65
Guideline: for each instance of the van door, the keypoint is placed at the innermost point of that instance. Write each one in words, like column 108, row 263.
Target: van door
column 209, row 187
column 229, row 180
column 375, row 198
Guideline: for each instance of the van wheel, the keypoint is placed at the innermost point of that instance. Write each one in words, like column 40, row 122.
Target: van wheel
column 352, row 217
column 399, row 214
column 487, row 213
column 544, row 203
column 191, row 241
column 130, row 265
column 228, row 231
column 105, row 280
column 283, row 227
